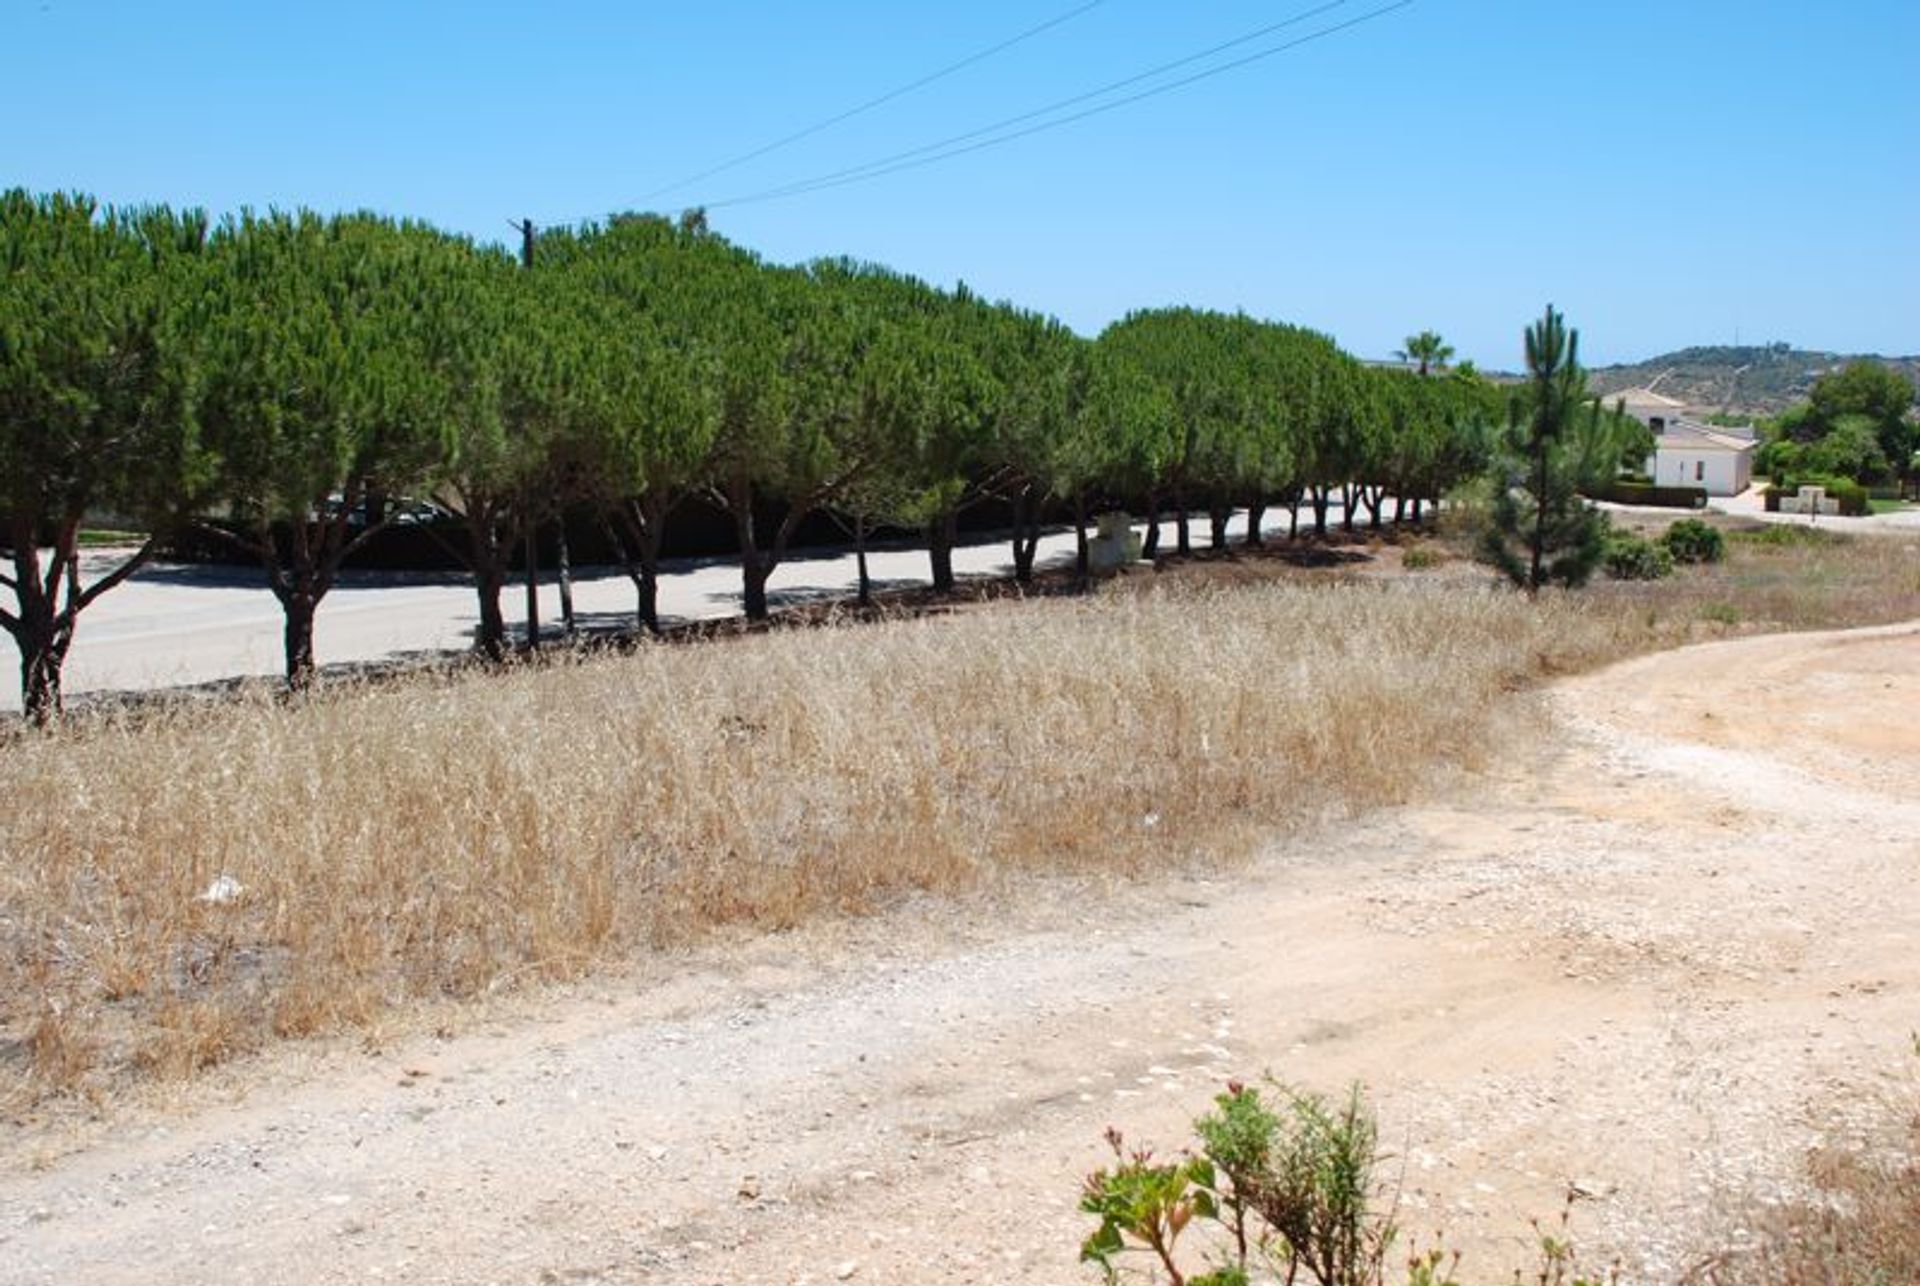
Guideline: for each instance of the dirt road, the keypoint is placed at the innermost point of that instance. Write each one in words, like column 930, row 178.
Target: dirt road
column 1658, row 961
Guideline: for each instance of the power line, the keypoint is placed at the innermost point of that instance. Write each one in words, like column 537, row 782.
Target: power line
column 883, row 99
column 961, row 144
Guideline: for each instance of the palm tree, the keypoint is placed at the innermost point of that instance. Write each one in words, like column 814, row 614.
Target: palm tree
column 1426, row 348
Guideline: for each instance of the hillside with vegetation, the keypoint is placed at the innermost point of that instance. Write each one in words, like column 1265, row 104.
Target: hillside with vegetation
column 1752, row 379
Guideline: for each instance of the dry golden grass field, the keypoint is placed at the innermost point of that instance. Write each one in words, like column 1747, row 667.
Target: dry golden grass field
column 458, row 835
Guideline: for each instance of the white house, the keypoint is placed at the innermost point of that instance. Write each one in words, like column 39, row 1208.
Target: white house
column 1688, row 454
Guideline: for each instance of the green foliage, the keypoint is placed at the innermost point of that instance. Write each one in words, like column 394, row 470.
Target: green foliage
column 1541, row 530
column 1291, row 1186
column 1422, row 558
column 1630, row 557
column 1428, row 349
column 99, row 391
column 1692, row 541
column 1849, row 495
column 1144, row 1206
column 1280, row 1189
column 1854, row 424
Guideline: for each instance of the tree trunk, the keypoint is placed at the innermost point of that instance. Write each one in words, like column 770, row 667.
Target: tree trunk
column 492, row 638
column 753, row 588
column 1150, row 543
column 940, row 539
column 1399, row 510
column 298, row 606
column 1416, row 509
column 1218, row 515
column 487, row 557
column 1182, row 538
column 40, row 664
column 1293, row 517
column 1256, row 518
column 566, row 580
column 1347, row 506
column 1082, row 556
column 865, row 598
column 1373, row 498
column 644, row 519
column 1026, row 535
column 1320, row 500
column 753, row 567
column 533, row 586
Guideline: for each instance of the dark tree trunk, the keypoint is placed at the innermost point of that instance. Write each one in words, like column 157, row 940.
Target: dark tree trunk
column 643, row 521
column 1082, row 557
column 565, row 571
column 1256, row 518
column 1293, row 517
column 1026, row 535
column 1182, row 537
column 1347, row 506
column 488, row 541
column 1320, row 499
column 1150, row 543
column 533, row 586
column 1399, row 510
column 865, row 597
column 1218, row 515
column 753, row 568
column 41, row 660
column 940, row 539
column 1373, row 498
column 298, row 606
column 491, row 641
column 753, row 588
column 1416, row 509
column 49, row 601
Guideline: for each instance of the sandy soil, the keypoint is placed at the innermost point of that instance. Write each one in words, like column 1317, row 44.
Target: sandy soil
column 1657, row 961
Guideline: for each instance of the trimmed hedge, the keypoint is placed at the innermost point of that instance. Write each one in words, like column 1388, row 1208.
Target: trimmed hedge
column 1633, row 493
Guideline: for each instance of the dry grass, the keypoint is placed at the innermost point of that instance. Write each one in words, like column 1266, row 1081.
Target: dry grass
column 1859, row 1225
column 454, row 836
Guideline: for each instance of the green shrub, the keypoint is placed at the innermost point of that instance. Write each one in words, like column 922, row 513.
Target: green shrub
column 1635, row 558
column 1692, row 541
column 1283, row 1188
column 1420, row 558
column 1850, row 495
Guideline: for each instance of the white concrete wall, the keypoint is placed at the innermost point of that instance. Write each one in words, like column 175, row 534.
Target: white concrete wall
column 1722, row 473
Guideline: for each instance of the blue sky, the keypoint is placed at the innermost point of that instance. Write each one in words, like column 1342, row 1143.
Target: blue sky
column 1667, row 173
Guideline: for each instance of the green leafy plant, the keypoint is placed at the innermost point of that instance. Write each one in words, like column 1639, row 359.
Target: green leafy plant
column 1636, row 558
column 1692, row 541
column 1282, row 1188
column 1143, row 1206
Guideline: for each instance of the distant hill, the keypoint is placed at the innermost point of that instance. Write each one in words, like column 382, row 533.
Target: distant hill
column 1747, row 380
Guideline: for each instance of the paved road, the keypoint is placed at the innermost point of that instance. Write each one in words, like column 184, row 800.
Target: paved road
column 1751, row 503
column 174, row 625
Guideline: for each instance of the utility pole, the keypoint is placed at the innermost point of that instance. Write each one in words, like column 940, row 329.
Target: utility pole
column 529, row 520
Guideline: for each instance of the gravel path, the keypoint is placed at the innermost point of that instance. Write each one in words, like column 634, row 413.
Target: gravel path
column 1659, row 961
